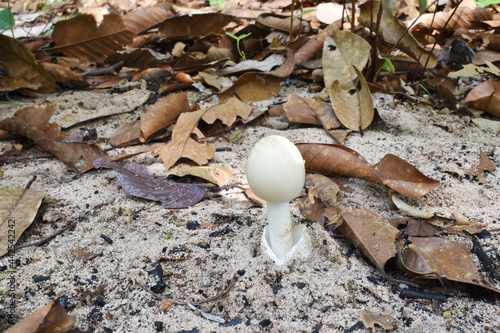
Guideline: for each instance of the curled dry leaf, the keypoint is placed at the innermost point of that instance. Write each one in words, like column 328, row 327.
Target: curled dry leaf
column 51, row 318
column 143, row 18
column 163, row 113
column 486, row 96
column 252, row 87
column 372, row 234
column 194, row 26
column 488, row 125
column 308, row 111
column 343, row 55
column 448, row 259
column 23, row 70
column 340, row 161
column 32, row 123
column 391, row 30
column 321, row 202
column 410, row 210
column 183, row 146
column 64, row 75
column 79, row 37
column 253, row 65
column 135, row 180
column 18, row 208
column 371, row 319
column 219, row 176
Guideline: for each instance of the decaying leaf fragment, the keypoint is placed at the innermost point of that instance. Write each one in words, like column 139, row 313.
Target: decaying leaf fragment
column 321, row 203
column 340, row 161
column 17, row 211
column 135, row 180
column 183, row 145
column 32, row 123
column 411, row 211
column 371, row 319
column 486, row 96
column 252, row 87
column 51, row 318
column 219, row 176
column 23, row 70
column 308, row 111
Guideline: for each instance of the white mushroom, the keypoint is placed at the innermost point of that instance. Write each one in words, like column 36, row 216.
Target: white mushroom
column 276, row 173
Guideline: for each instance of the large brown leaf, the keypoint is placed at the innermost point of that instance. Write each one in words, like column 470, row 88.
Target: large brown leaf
column 197, row 26
column 372, row 234
column 23, row 70
column 444, row 257
column 336, row 160
column 252, row 87
column 79, row 37
column 143, row 18
column 32, row 123
column 18, row 208
column 163, row 113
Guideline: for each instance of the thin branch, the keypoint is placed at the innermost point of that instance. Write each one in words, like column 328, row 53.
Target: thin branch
column 45, row 240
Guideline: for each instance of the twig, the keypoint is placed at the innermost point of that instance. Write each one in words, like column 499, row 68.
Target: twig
column 111, row 70
column 210, row 299
column 486, row 261
column 43, row 241
column 408, row 293
column 25, row 157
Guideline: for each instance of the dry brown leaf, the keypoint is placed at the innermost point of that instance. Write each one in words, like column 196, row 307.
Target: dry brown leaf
column 308, row 111
column 340, row 53
column 183, row 146
column 32, row 123
column 197, row 26
column 24, row 72
column 79, row 37
column 252, row 87
column 321, row 201
column 143, row 18
column 372, row 234
column 163, row 113
column 353, row 107
column 17, row 211
column 403, row 177
column 391, row 31
column 435, row 255
column 51, row 318
column 249, row 193
column 126, row 135
column 486, row 96
column 212, row 80
column 253, row 65
column 64, row 75
column 308, row 51
column 340, row 161
column 281, row 23
column 465, row 18
column 219, row 176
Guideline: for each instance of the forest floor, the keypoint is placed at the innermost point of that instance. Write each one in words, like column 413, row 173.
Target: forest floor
column 213, row 249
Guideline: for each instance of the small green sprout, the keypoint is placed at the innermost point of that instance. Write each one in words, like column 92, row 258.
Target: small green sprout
column 238, row 38
column 6, row 20
column 388, row 66
column 236, row 136
column 218, row 3
column 306, row 12
column 427, row 91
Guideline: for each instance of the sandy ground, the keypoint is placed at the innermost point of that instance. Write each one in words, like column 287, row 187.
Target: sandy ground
column 325, row 293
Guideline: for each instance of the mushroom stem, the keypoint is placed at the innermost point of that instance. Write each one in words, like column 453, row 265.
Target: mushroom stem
column 279, row 227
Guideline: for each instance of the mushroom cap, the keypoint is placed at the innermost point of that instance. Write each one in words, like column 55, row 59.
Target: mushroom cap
column 275, row 169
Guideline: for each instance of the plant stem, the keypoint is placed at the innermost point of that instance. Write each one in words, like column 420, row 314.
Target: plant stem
column 279, row 228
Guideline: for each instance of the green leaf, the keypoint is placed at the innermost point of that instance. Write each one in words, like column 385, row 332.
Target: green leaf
column 388, row 66
column 304, row 13
column 486, row 3
column 6, row 20
column 422, row 5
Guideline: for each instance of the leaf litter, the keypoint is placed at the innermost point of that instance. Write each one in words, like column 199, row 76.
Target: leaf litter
column 204, row 46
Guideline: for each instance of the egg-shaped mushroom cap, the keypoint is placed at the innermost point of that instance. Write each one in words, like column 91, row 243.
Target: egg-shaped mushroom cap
column 275, row 169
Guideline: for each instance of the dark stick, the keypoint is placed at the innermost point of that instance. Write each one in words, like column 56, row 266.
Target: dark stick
column 25, row 157
column 408, row 293
column 45, row 240
column 486, row 261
